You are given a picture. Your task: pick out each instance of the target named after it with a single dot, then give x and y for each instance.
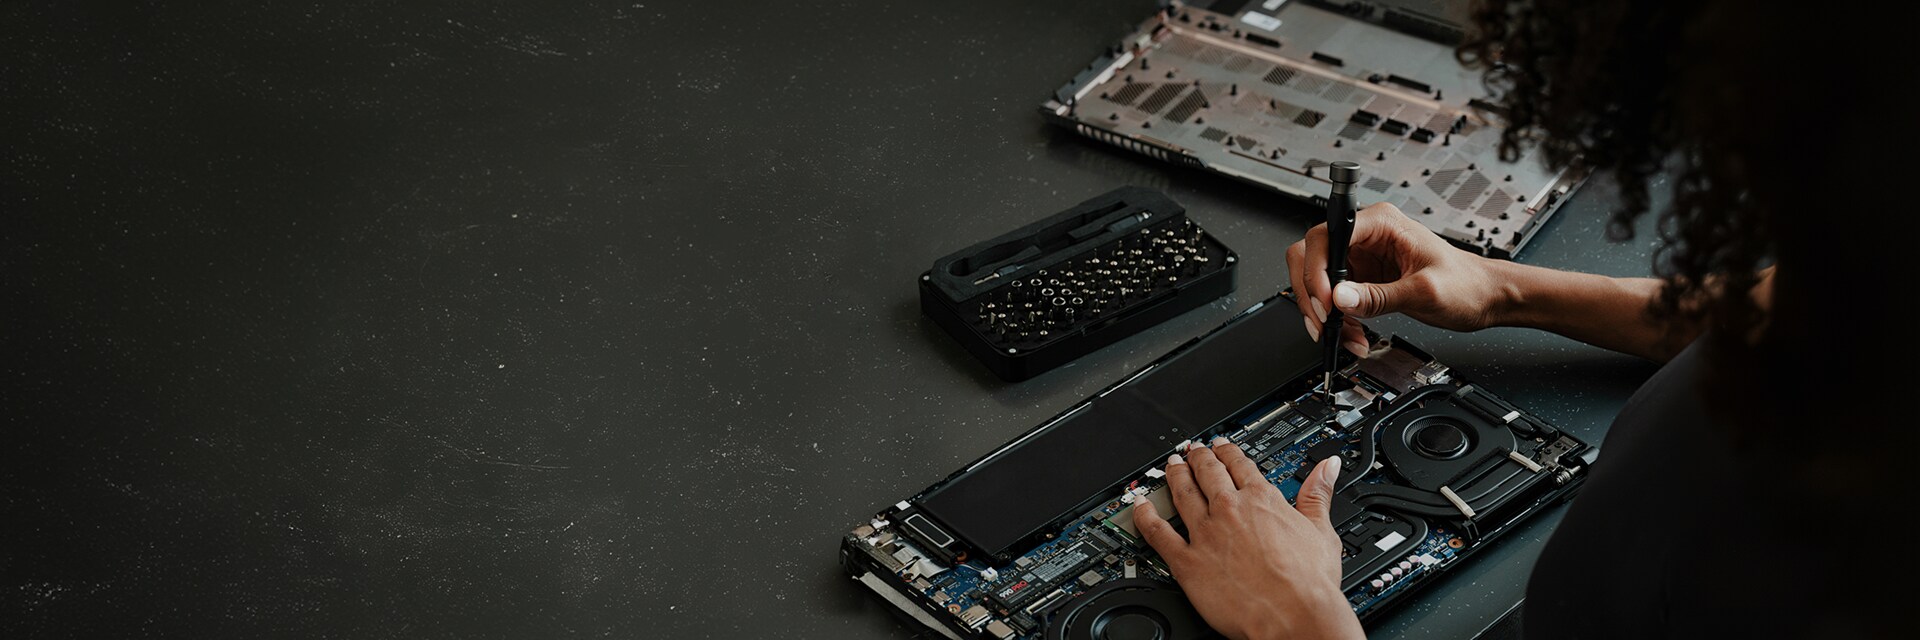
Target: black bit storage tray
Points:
(1052, 291)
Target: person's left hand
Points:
(1256, 567)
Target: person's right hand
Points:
(1398, 266)
(1255, 567)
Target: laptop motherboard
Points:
(1016, 545)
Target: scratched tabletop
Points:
(519, 319)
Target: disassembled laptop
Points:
(1036, 539)
(1272, 92)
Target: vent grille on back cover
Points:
(1187, 107)
(1309, 118)
(1311, 83)
(1213, 134)
(1496, 205)
(1475, 184)
(1353, 131)
(1280, 75)
(1127, 94)
(1443, 179)
(1183, 47)
(1378, 184)
(1338, 92)
(1161, 97)
(1136, 146)
(1238, 63)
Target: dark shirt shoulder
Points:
(1680, 532)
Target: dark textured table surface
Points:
(527, 319)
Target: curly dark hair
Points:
(1767, 119)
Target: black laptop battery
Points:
(1041, 481)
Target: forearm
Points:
(1610, 313)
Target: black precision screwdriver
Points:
(1340, 213)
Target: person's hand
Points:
(1254, 566)
(1398, 266)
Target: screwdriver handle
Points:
(1340, 215)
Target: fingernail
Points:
(1312, 331)
(1195, 445)
(1333, 475)
(1319, 310)
(1219, 441)
(1175, 459)
(1346, 295)
(1359, 348)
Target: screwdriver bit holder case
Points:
(1052, 291)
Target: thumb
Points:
(1316, 494)
(1366, 300)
